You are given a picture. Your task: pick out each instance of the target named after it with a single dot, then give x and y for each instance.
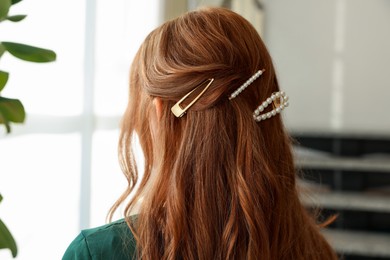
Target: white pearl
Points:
(278, 109)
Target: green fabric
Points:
(112, 241)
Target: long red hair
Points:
(216, 184)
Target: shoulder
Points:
(111, 241)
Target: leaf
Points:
(4, 8)
(29, 53)
(3, 79)
(6, 239)
(12, 110)
(6, 123)
(1, 198)
(16, 18)
(2, 49)
(15, 1)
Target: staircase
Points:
(348, 176)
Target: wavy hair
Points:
(216, 184)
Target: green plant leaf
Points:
(6, 239)
(2, 49)
(3, 79)
(4, 8)
(16, 18)
(29, 53)
(15, 1)
(12, 110)
(6, 123)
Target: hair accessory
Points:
(279, 100)
(246, 84)
(178, 111)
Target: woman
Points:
(219, 179)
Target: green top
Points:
(113, 241)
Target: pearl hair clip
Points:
(279, 100)
(246, 84)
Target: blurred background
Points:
(59, 171)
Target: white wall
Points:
(333, 59)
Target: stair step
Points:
(359, 243)
(349, 164)
(348, 201)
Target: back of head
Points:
(217, 184)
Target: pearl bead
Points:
(274, 96)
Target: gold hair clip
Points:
(178, 111)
